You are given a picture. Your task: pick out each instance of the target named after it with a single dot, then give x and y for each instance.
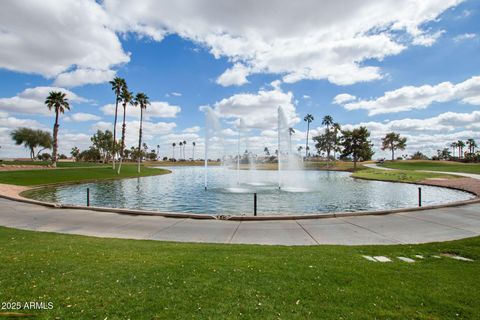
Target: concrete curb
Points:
(186, 215)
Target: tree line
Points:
(351, 144)
(105, 146)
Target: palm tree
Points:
(141, 100)
(117, 86)
(58, 101)
(460, 145)
(127, 98)
(300, 148)
(327, 121)
(184, 145)
(291, 131)
(193, 151)
(267, 152)
(308, 118)
(180, 145)
(454, 146)
(173, 148)
(336, 129)
(471, 145)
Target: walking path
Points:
(407, 227)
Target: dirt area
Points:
(467, 184)
(4, 167)
(12, 191)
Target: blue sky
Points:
(407, 67)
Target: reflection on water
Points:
(309, 192)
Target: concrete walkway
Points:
(408, 227)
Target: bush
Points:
(45, 157)
(472, 157)
(419, 156)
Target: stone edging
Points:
(184, 215)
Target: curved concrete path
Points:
(399, 228)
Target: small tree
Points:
(325, 142)
(32, 139)
(75, 152)
(103, 141)
(392, 141)
(443, 154)
(356, 144)
(419, 156)
(267, 152)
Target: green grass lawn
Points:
(76, 174)
(434, 166)
(60, 164)
(94, 278)
(398, 175)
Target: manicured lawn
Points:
(398, 175)
(94, 278)
(51, 176)
(59, 164)
(332, 165)
(434, 166)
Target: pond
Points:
(231, 192)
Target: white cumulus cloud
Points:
(257, 110)
(80, 77)
(342, 98)
(310, 39)
(51, 38)
(411, 97)
(82, 117)
(32, 100)
(237, 75)
(156, 109)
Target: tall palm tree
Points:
(127, 98)
(291, 131)
(57, 101)
(193, 150)
(141, 100)
(180, 145)
(471, 145)
(184, 145)
(308, 118)
(460, 145)
(336, 129)
(173, 150)
(454, 146)
(117, 86)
